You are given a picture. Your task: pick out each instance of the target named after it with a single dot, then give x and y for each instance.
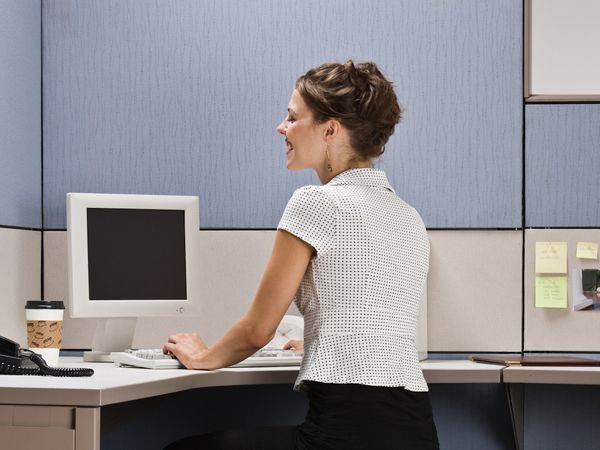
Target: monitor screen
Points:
(132, 255)
(136, 254)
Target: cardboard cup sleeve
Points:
(44, 333)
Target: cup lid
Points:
(45, 304)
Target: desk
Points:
(64, 413)
(516, 377)
(552, 375)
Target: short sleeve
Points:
(311, 216)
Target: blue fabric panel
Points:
(20, 113)
(562, 163)
(472, 416)
(559, 417)
(183, 97)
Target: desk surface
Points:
(111, 384)
(551, 375)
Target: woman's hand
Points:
(187, 347)
(297, 346)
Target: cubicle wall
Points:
(464, 299)
(562, 62)
(560, 329)
(474, 291)
(20, 161)
(20, 279)
(20, 114)
(176, 103)
(183, 97)
(562, 166)
(151, 98)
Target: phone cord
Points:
(43, 369)
(59, 371)
(9, 369)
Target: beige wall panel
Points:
(77, 333)
(474, 291)
(232, 264)
(20, 279)
(564, 58)
(559, 329)
(474, 282)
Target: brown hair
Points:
(359, 96)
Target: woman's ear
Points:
(332, 129)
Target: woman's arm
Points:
(280, 281)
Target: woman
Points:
(355, 258)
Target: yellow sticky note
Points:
(587, 250)
(551, 292)
(550, 257)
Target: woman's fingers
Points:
(294, 345)
(174, 338)
(184, 345)
(168, 348)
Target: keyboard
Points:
(271, 357)
(153, 358)
(156, 359)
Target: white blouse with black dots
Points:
(361, 291)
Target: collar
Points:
(362, 177)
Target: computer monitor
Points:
(131, 256)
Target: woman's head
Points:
(339, 117)
(359, 97)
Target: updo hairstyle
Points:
(359, 96)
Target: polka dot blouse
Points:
(361, 291)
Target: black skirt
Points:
(356, 416)
(340, 416)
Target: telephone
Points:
(17, 361)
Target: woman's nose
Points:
(281, 128)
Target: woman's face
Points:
(304, 140)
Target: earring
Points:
(327, 158)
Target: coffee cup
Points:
(44, 328)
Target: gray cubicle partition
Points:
(562, 165)
(183, 97)
(20, 114)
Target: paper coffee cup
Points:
(44, 328)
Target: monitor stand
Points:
(111, 335)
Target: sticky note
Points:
(551, 292)
(587, 250)
(550, 257)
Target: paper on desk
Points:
(551, 292)
(550, 257)
(587, 250)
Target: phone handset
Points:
(12, 358)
